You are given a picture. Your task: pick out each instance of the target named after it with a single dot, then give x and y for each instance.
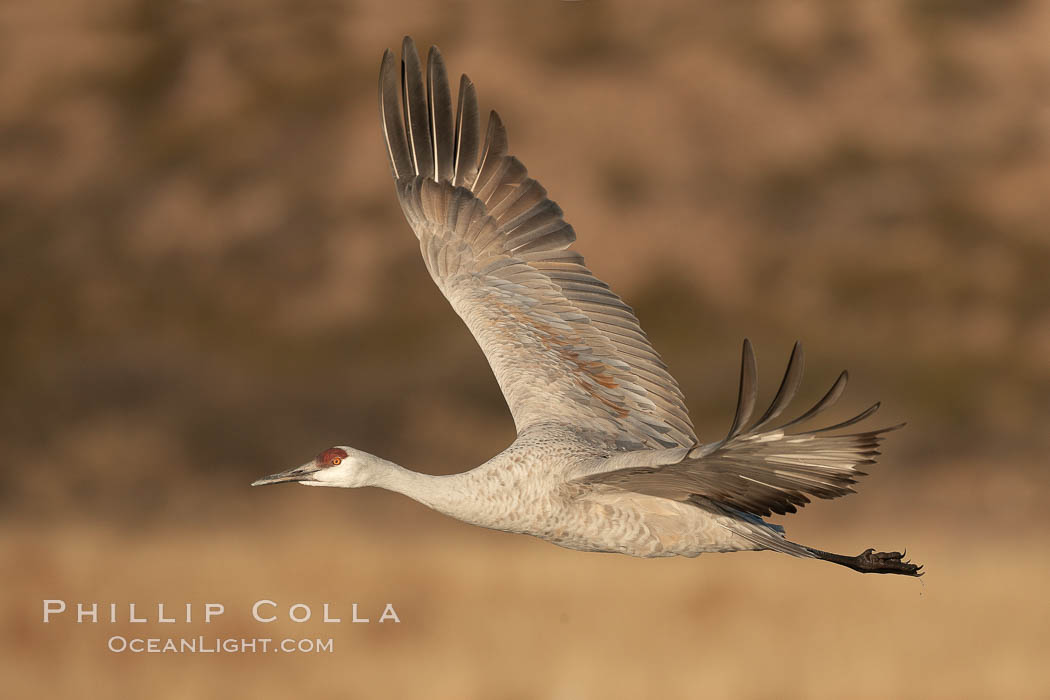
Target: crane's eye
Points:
(336, 461)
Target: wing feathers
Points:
(390, 115)
(557, 256)
(748, 394)
(417, 123)
(855, 419)
(561, 237)
(492, 154)
(528, 201)
(439, 101)
(833, 395)
(562, 345)
(468, 133)
(497, 177)
(754, 470)
(788, 388)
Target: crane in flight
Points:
(606, 458)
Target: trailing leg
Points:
(871, 562)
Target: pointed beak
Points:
(300, 473)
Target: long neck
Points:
(450, 494)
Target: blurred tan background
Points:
(205, 277)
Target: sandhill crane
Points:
(606, 458)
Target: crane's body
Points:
(529, 489)
(606, 457)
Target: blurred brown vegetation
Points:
(205, 277)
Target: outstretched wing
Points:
(758, 470)
(562, 345)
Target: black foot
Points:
(871, 562)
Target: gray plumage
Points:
(606, 457)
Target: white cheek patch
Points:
(332, 476)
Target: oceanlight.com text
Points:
(218, 645)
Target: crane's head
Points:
(336, 466)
